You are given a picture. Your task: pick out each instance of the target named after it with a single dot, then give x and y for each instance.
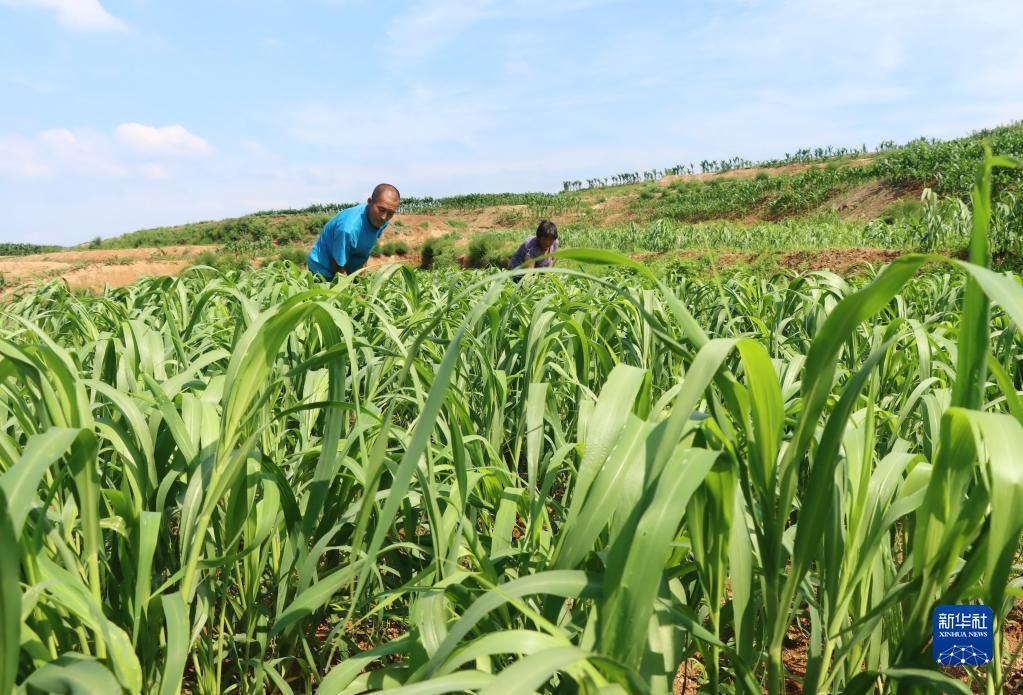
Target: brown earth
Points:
(689, 676)
(26, 268)
(118, 255)
(97, 276)
(840, 260)
(869, 201)
(118, 268)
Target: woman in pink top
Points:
(545, 242)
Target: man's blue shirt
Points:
(345, 242)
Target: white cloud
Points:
(166, 141)
(132, 151)
(154, 172)
(77, 15)
(19, 159)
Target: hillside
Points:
(894, 198)
(855, 186)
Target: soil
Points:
(97, 255)
(869, 201)
(94, 270)
(22, 269)
(99, 275)
(689, 676)
(839, 260)
(616, 209)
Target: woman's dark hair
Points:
(547, 229)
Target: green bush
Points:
(222, 261)
(456, 224)
(295, 254)
(439, 252)
(315, 223)
(393, 248)
(244, 229)
(487, 251)
(19, 249)
(288, 231)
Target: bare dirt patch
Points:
(98, 276)
(27, 269)
(100, 255)
(419, 227)
(616, 209)
(839, 260)
(869, 201)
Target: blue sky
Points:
(122, 114)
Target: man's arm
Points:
(339, 249)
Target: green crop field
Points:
(795, 200)
(447, 481)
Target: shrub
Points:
(295, 254)
(288, 231)
(314, 225)
(439, 252)
(392, 248)
(245, 228)
(486, 251)
(224, 262)
(456, 224)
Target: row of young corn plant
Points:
(448, 482)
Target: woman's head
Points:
(546, 234)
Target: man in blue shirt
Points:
(348, 237)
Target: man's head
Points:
(382, 205)
(546, 234)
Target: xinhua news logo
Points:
(963, 635)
